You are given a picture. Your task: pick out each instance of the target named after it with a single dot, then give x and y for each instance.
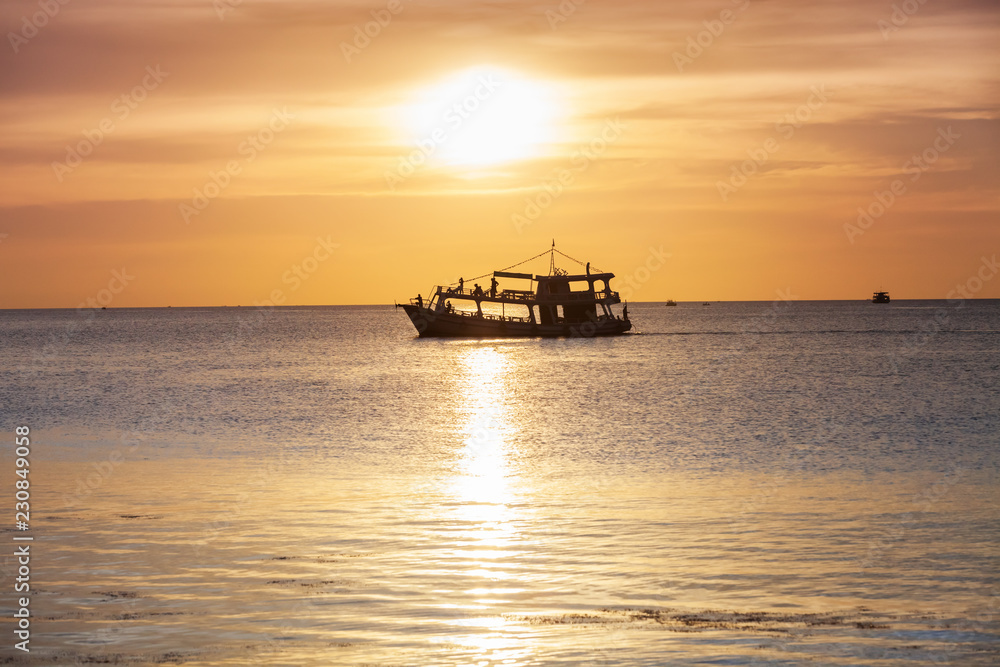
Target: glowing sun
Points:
(482, 116)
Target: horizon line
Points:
(370, 305)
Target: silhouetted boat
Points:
(880, 297)
(550, 306)
(670, 302)
(706, 304)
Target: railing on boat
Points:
(513, 318)
(487, 316)
(528, 295)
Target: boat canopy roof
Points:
(508, 274)
(555, 275)
(580, 276)
(563, 278)
(558, 288)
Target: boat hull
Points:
(432, 324)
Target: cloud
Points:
(685, 127)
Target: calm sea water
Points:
(788, 483)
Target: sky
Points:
(241, 152)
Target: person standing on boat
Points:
(461, 284)
(493, 287)
(625, 312)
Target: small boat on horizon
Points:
(554, 305)
(880, 297)
(670, 302)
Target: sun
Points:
(482, 116)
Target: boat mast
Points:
(552, 258)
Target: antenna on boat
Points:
(552, 258)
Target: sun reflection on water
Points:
(483, 459)
(483, 496)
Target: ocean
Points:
(742, 483)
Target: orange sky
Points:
(344, 173)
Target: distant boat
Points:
(880, 297)
(550, 306)
(706, 304)
(671, 302)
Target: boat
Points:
(706, 304)
(553, 305)
(880, 297)
(670, 302)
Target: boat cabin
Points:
(553, 299)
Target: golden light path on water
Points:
(481, 490)
(496, 502)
